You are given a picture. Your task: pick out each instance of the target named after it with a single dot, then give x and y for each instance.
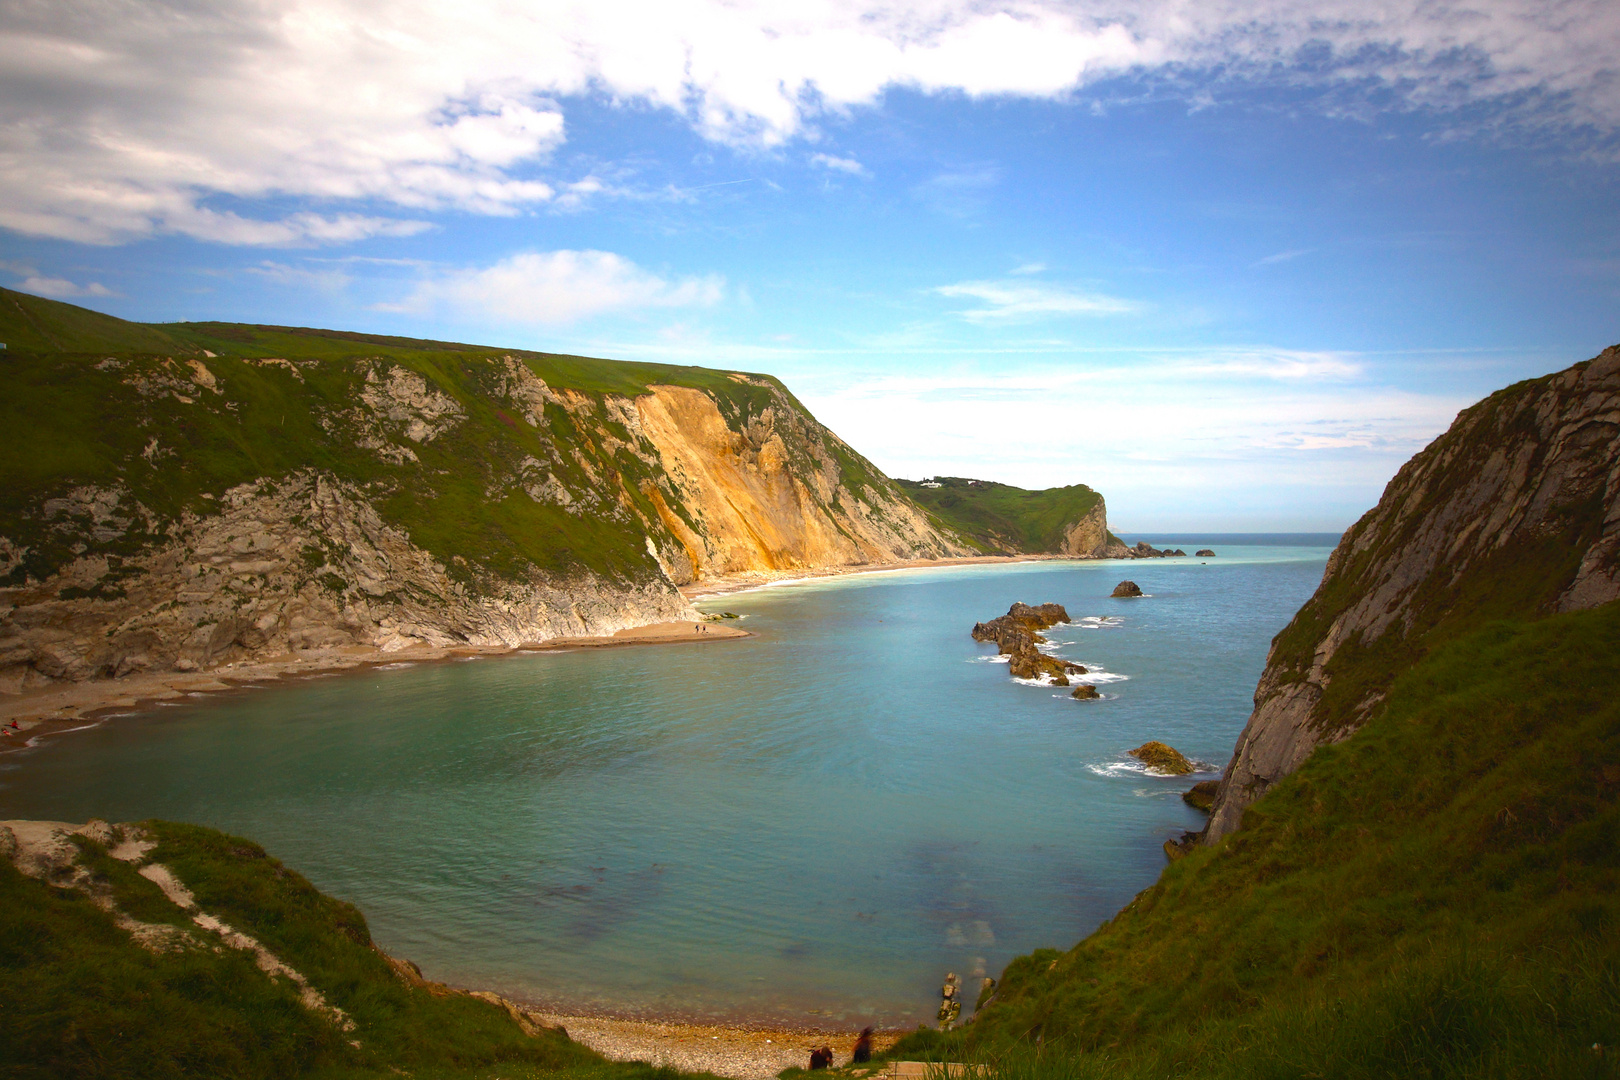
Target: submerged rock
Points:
(1201, 796)
(1162, 758)
(1126, 588)
(1085, 692)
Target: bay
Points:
(809, 825)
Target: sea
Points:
(808, 826)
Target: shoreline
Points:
(59, 710)
(62, 709)
(738, 1051)
(747, 580)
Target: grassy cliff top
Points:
(999, 518)
(37, 325)
(1437, 896)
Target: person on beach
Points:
(863, 1047)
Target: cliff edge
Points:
(1513, 513)
(183, 496)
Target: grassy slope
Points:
(71, 424)
(1000, 519)
(81, 1000)
(1439, 895)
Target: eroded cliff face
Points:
(1513, 513)
(771, 494)
(255, 507)
(1089, 538)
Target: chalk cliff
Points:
(1513, 513)
(213, 493)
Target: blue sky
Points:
(1230, 264)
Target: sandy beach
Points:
(755, 579)
(56, 710)
(740, 1052)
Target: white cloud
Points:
(1009, 300)
(62, 287)
(555, 287)
(1029, 268)
(121, 119)
(839, 164)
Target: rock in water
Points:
(1015, 636)
(1085, 692)
(1126, 588)
(1204, 553)
(1161, 758)
(1201, 796)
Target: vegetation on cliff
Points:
(1437, 896)
(999, 519)
(386, 489)
(84, 998)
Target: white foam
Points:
(1098, 622)
(1120, 768)
(1096, 676)
(394, 666)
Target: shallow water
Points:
(811, 824)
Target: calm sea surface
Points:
(812, 824)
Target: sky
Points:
(1230, 262)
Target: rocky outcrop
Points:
(302, 563)
(1145, 550)
(1513, 513)
(1162, 758)
(1085, 692)
(249, 508)
(1089, 538)
(1017, 637)
(1204, 553)
(1201, 796)
(1126, 589)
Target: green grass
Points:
(81, 1000)
(96, 401)
(1437, 896)
(999, 519)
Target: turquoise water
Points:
(814, 823)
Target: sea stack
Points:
(1126, 588)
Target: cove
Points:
(809, 825)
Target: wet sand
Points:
(56, 710)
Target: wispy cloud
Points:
(1016, 300)
(557, 287)
(1283, 256)
(325, 278)
(839, 164)
(1029, 268)
(960, 192)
